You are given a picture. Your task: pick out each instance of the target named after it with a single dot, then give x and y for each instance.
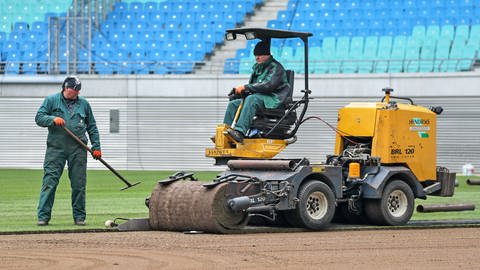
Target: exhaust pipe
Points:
(445, 207)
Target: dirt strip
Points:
(441, 248)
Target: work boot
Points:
(80, 222)
(42, 223)
(236, 135)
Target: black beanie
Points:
(261, 48)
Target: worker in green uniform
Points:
(267, 88)
(68, 109)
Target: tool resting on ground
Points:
(129, 185)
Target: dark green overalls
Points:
(61, 148)
(269, 87)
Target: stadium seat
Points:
(341, 54)
(441, 55)
(369, 53)
(397, 55)
(432, 32)
(419, 32)
(245, 66)
(13, 63)
(383, 54)
(462, 31)
(355, 54)
(412, 55)
(427, 55)
(474, 37)
(447, 32)
(469, 54)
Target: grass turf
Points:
(20, 190)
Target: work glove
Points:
(239, 89)
(58, 121)
(97, 154)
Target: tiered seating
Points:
(166, 37)
(24, 34)
(378, 36)
(139, 37)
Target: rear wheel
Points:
(315, 208)
(394, 208)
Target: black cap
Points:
(261, 48)
(72, 82)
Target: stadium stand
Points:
(175, 36)
(413, 36)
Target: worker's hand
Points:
(239, 89)
(58, 121)
(97, 154)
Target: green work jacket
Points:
(270, 79)
(80, 121)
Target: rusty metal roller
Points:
(261, 164)
(187, 205)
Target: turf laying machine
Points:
(384, 157)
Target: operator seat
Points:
(266, 119)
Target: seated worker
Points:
(268, 88)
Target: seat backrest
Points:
(290, 79)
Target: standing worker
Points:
(268, 87)
(74, 112)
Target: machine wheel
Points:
(315, 208)
(394, 208)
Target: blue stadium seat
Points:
(120, 6)
(231, 66)
(13, 63)
(29, 64)
(150, 6)
(135, 6)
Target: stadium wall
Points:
(165, 122)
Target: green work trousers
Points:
(54, 163)
(249, 108)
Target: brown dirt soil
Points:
(453, 248)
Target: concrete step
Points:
(262, 14)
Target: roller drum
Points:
(187, 205)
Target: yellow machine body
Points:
(257, 148)
(399, 133)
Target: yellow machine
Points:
(403, 134)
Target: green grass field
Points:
(19, 191)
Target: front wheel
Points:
(394, 208)
(315, 208)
